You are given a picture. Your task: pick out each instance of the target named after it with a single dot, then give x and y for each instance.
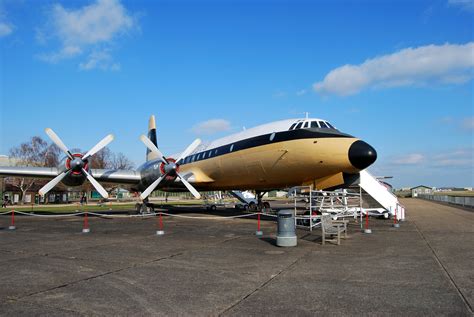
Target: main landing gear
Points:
(260, 205)
(144, 208)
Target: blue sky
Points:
(397, 74)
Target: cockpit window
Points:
(306, 124)
(330, 125)
(299, 125)
(292, 126)
(314, 124)
(323, 125)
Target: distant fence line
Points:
(465, 201)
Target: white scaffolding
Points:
(339, 204)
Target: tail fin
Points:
(152, 136)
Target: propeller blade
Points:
(54, 137)
(99, 146)
(151, 187)
(189, 187)
(153, 148)
(96, 184)
(189, 150)
(46, 188)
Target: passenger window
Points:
(193, 158)
(292, 126)
(204, 155)
(272, 136)
(197, 158)
(215, 153)
(314, 124)
(323, 125)
(299, 125)
(209, 154)
(330, 125)
(231, 148)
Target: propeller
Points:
(170, 167)
(76, 163)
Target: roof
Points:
(421, 186)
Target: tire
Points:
(252, 206)
(213, 208)
(266, 206)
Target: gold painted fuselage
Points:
(272, 166)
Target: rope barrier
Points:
(208, 218)
(136, 216)
(49, 216)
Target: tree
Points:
(121, 162)
(36, 152)
(107, 159)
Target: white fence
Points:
(465, 201)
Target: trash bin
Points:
(286, 235)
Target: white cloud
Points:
(467, 5)
(462, 157)
(100, 60)
(65, 53)
(468, 123)
(91, 29)
(448, 63)
(410, 159)
(301, 92)
(211, 126)
(5, 29)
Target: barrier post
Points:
(367, 230)
(85, 228)
(160, 230)
(258, 232)
(395, 218)
(12, 224)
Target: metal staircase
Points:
(381, 194)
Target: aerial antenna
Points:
(307, 115)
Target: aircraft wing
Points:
(28, 171)
(116, 176)
(104, 175)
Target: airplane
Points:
(276, 155)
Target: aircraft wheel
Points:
(252, 206)
(213, 207)
(266, 206)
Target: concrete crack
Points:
(445, 270)
(285, 269)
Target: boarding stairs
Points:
(381, 194)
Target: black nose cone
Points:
(361, 154)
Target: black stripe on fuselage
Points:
(311, 133)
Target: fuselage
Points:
(275, 155)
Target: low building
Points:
(421, 189)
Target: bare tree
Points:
(107, 159)
(36, 152)
(121, 162)
(101, 159)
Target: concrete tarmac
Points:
(219, 267)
